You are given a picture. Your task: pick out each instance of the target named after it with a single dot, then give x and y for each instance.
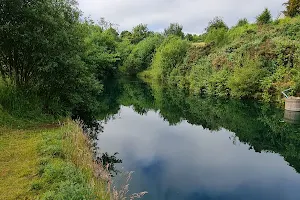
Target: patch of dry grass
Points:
(199, 44)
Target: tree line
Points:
(48, 51)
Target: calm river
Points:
(186, 147)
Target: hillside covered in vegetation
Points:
(246, 61)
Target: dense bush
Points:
(168, 56)
(141, 56)
(101, 51)
(217, 84)
(199, 76)
(242, 22)
(245, 81)
(247, 61)
(56, 57)
(217, 36)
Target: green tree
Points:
(169, 55)
(139, 33)
(104, 24)
(217, 36)
(113, 32)
(216, 23)
(41, 50)
(189, 37)
(292, 8)
(242, 22)
(101, 51)
(174, 29)
(141, 56)
(126, 35)
(264, 18)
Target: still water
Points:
(187, 147)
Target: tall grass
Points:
(18, 105)
(68, 170)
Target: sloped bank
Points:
(50, 162)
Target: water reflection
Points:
(186, 147)
(110, 162)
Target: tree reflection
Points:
(106, 160)
(258, 125)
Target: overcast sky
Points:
(192, 14)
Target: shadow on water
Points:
(106, 160)
(262, 127)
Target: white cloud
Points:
(192, 14)
(189, 159)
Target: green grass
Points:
(18, 163)
(20, 109)
(48, 162)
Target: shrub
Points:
(264, 18)
(245, 81)
(141, 56)
(124, 49)
(169, 55)
(242, 22)
(199, 76)
(217, 83)
(236, 33)
(218, 36)
(274, 84)
(178, 77)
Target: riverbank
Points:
(247, 61)
(49, 161)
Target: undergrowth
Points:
(21, 109)
(248, 61)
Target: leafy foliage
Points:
(264, 18)
(139, 33)
(246, 61)
(242, 22)
(168, 56)
(101, 51)
(216, 23)
(47, 51)
(63, 62)
(174, 29)
(292, 8)
(217, 36)
(141, 56)
(245, 81)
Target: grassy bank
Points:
(49, 162)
